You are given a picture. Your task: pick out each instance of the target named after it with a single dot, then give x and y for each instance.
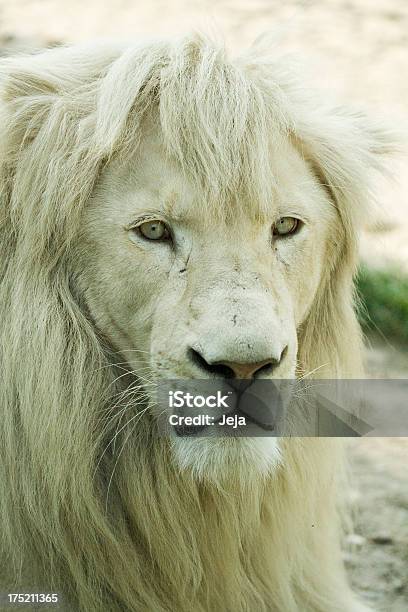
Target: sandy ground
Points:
(359, 49)
(378, 560)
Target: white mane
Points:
(167, 542)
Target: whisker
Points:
(121, 451)
(312, 371)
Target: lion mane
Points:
(145, 536)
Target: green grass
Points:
(384, 307)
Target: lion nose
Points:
(234, 369)
(247, 370)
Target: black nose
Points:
(235, 369)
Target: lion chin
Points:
(220, 460)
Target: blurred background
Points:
(359, 49)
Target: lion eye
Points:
(154, 230)
(285, 226)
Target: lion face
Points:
(185, 291)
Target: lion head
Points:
(166, 212)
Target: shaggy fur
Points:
(164, 540)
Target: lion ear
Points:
(347, 150)
(25, 101)
(378, 136)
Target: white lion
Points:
(167, 212)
